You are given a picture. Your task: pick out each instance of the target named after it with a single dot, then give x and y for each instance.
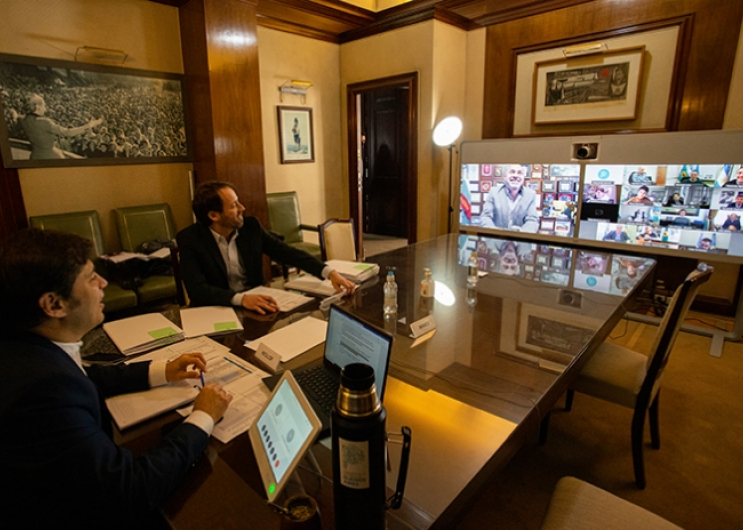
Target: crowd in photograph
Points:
(143, 119)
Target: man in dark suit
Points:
(222, 254)
(59, 466)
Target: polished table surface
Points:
(472, 391)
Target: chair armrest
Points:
(278, 236)
(311, 228)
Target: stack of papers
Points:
(294, 339)
(238, 377)
(209, 320)
(125, 256)
(310, 284)
(142, 333)
(287, 301)
(355, 271)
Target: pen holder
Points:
(301, 513)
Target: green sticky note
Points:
(363, 266)
(162, 333)
(224, 326)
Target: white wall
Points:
(320, 185)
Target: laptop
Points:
(348, 340)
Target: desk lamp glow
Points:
(444, 135)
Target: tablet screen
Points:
(284, 430)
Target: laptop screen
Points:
(350, 340)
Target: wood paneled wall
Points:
(12, 209)
(220, 55)
(698, 102)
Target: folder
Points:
(209, 320)
(142, 333)
(356, 271)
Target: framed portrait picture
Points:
(548, 186)
(63, 113)
(547, 224)
(565, 186)
(296, 137)
(597, 87)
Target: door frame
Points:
(355, 182)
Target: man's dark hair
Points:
(207, 199)
(34, 262)
(643, 187)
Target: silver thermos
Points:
(358, 429)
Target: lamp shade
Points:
(447, 131)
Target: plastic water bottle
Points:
(472, 270)
(427, 284)
(390, 294)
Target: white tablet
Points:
(282, 433)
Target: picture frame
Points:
(588, 88)
(548, 186)
(565, 186)
(552, 334)
(63, 113)
(296, 136)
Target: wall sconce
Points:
(296, 87)
(90, 54)
(585, 49)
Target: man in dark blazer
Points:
(59, 467)
(222, 254)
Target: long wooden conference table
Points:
(473, 391)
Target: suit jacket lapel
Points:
(212, 248)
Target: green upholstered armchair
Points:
(138, 224)
(286, 223)
(283, 215)
(87, 224)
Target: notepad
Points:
(209, 320)
(142, 333)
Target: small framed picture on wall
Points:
(296, 137)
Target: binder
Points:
(356, 271)
(142, 333)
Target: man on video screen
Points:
(511, 205)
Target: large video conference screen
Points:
(691, 207)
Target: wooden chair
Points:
(138, 224)
(625, 377)
(578, 505)
(338, 240)
(87, 224)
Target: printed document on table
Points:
(130, 409)
(244, 381)
(294, 339)
(287, 301)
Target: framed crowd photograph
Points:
(296, 138)
(62, 113)
(597, 87)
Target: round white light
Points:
(447, 131)
(443, 294)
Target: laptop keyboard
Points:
(321, 384)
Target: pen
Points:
(237, 364)
(201, 375)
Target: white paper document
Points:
(209, 320)
(238, 377)
(287, 301)
(310, 284)
(294, 339)
(356, 271)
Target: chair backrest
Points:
(138, 224)
(338, 240)
(667, 332)
(283, 215)
(85, 224)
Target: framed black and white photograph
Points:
(598, 87)
(62, 113)
(296, 139)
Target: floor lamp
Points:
(444, 135)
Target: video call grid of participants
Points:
(690, 207)
(533, 198)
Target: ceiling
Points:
(338, 21)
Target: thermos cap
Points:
(357, 395)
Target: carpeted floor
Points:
(695, 480)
